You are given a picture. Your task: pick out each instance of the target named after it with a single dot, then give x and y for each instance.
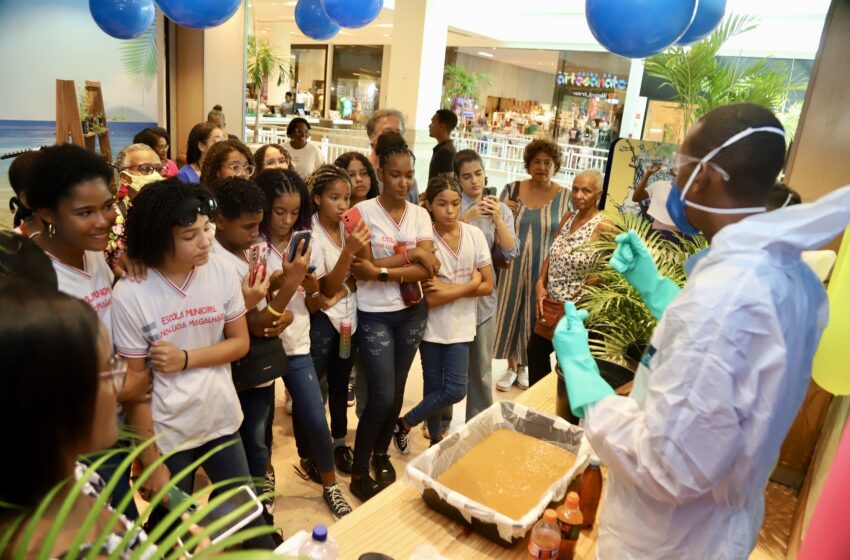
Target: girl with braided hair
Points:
(330, 190)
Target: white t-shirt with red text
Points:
(200, 404)
(455, 321)
(347, 306)
(415, 226)
(296, 337)
(92, 284)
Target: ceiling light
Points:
(488, 55)
(290, 3)
(386, 34)
(384, 25)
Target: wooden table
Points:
(397, 521)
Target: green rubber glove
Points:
(633, 261)
(581, 374)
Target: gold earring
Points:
(51, 230)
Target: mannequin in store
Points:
(442, 124)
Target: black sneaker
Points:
(364, 487)
(351, 397)
(401, 437)
(308, 471)
(336, 500)
(344, 459)
(384, 471)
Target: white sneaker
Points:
(507, 380)
(522, 378)
(287, 406)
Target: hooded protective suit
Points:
(690, 451)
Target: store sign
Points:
(591, 80)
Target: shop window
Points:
(356, 81)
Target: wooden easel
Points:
(69, 122)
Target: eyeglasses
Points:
(272, 163)
(117, 373)
(144, 168)
(679, 160)
(203, 203)
(239, 169)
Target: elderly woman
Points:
(538, 204)
(564, 271)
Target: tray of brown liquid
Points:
(497, 473)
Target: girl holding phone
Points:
(330, 187)
(288, 214)
(390, 327)
(465, 275)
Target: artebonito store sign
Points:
(591, 80)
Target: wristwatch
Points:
(384, 275)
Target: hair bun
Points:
(390, 142)
(217, 108)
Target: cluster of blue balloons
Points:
(126, 19)
(641, 28)
(322, 19)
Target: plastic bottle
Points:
(345, 338)
(320, 547)
(411, 292)
(590, 490)
(545, 537)
(570, 523)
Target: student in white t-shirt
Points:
(240, 210)
(183, 324)
(288, 211)
(390, 327)
(466, 273)
(69, 190)
(306, 157)
(330, 188)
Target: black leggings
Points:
(538, 353)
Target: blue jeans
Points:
(227, 463)
(324, 347)
(256, 403)
(388, 342)
(312, 436)
(444, 372)
(108, 470)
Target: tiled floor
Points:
(301, 506)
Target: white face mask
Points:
(739, 136)
(138, 182)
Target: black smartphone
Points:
(296, 239)
(489, 191)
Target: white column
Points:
(224, 71)
(415, 80)
(328, 76)
(634, 111)
(385, 76)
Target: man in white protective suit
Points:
(689, 452)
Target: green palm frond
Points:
(139, 59)
(264, 63)
(22, 529)
(617, 316)
(461, 83)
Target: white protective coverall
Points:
(690, 451)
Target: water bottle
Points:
(320, 547)
(545, 537)
(345, 338)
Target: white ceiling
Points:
(787, 28)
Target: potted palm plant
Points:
(460, 83)
(264, 63)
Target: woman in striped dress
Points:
(538, 205)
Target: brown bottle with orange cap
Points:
(570, 522)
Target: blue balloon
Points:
(709, 14)
(123, 19)
(199, 14)
(638, 28)
(313, 21)
(353, 13)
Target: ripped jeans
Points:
(331, 369)
(388, 343)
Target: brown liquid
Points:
(508, 472)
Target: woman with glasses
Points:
(52, 340)
(271, 156)
(183, 325)
(159, 140)
(306, 157)
(228, 158)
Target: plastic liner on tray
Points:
(495, 526)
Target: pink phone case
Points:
(351, 218)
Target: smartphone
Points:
(176, 497)
(489, 191)
(351, 218)
(245, 495)
(296, 239)
(257, 255)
